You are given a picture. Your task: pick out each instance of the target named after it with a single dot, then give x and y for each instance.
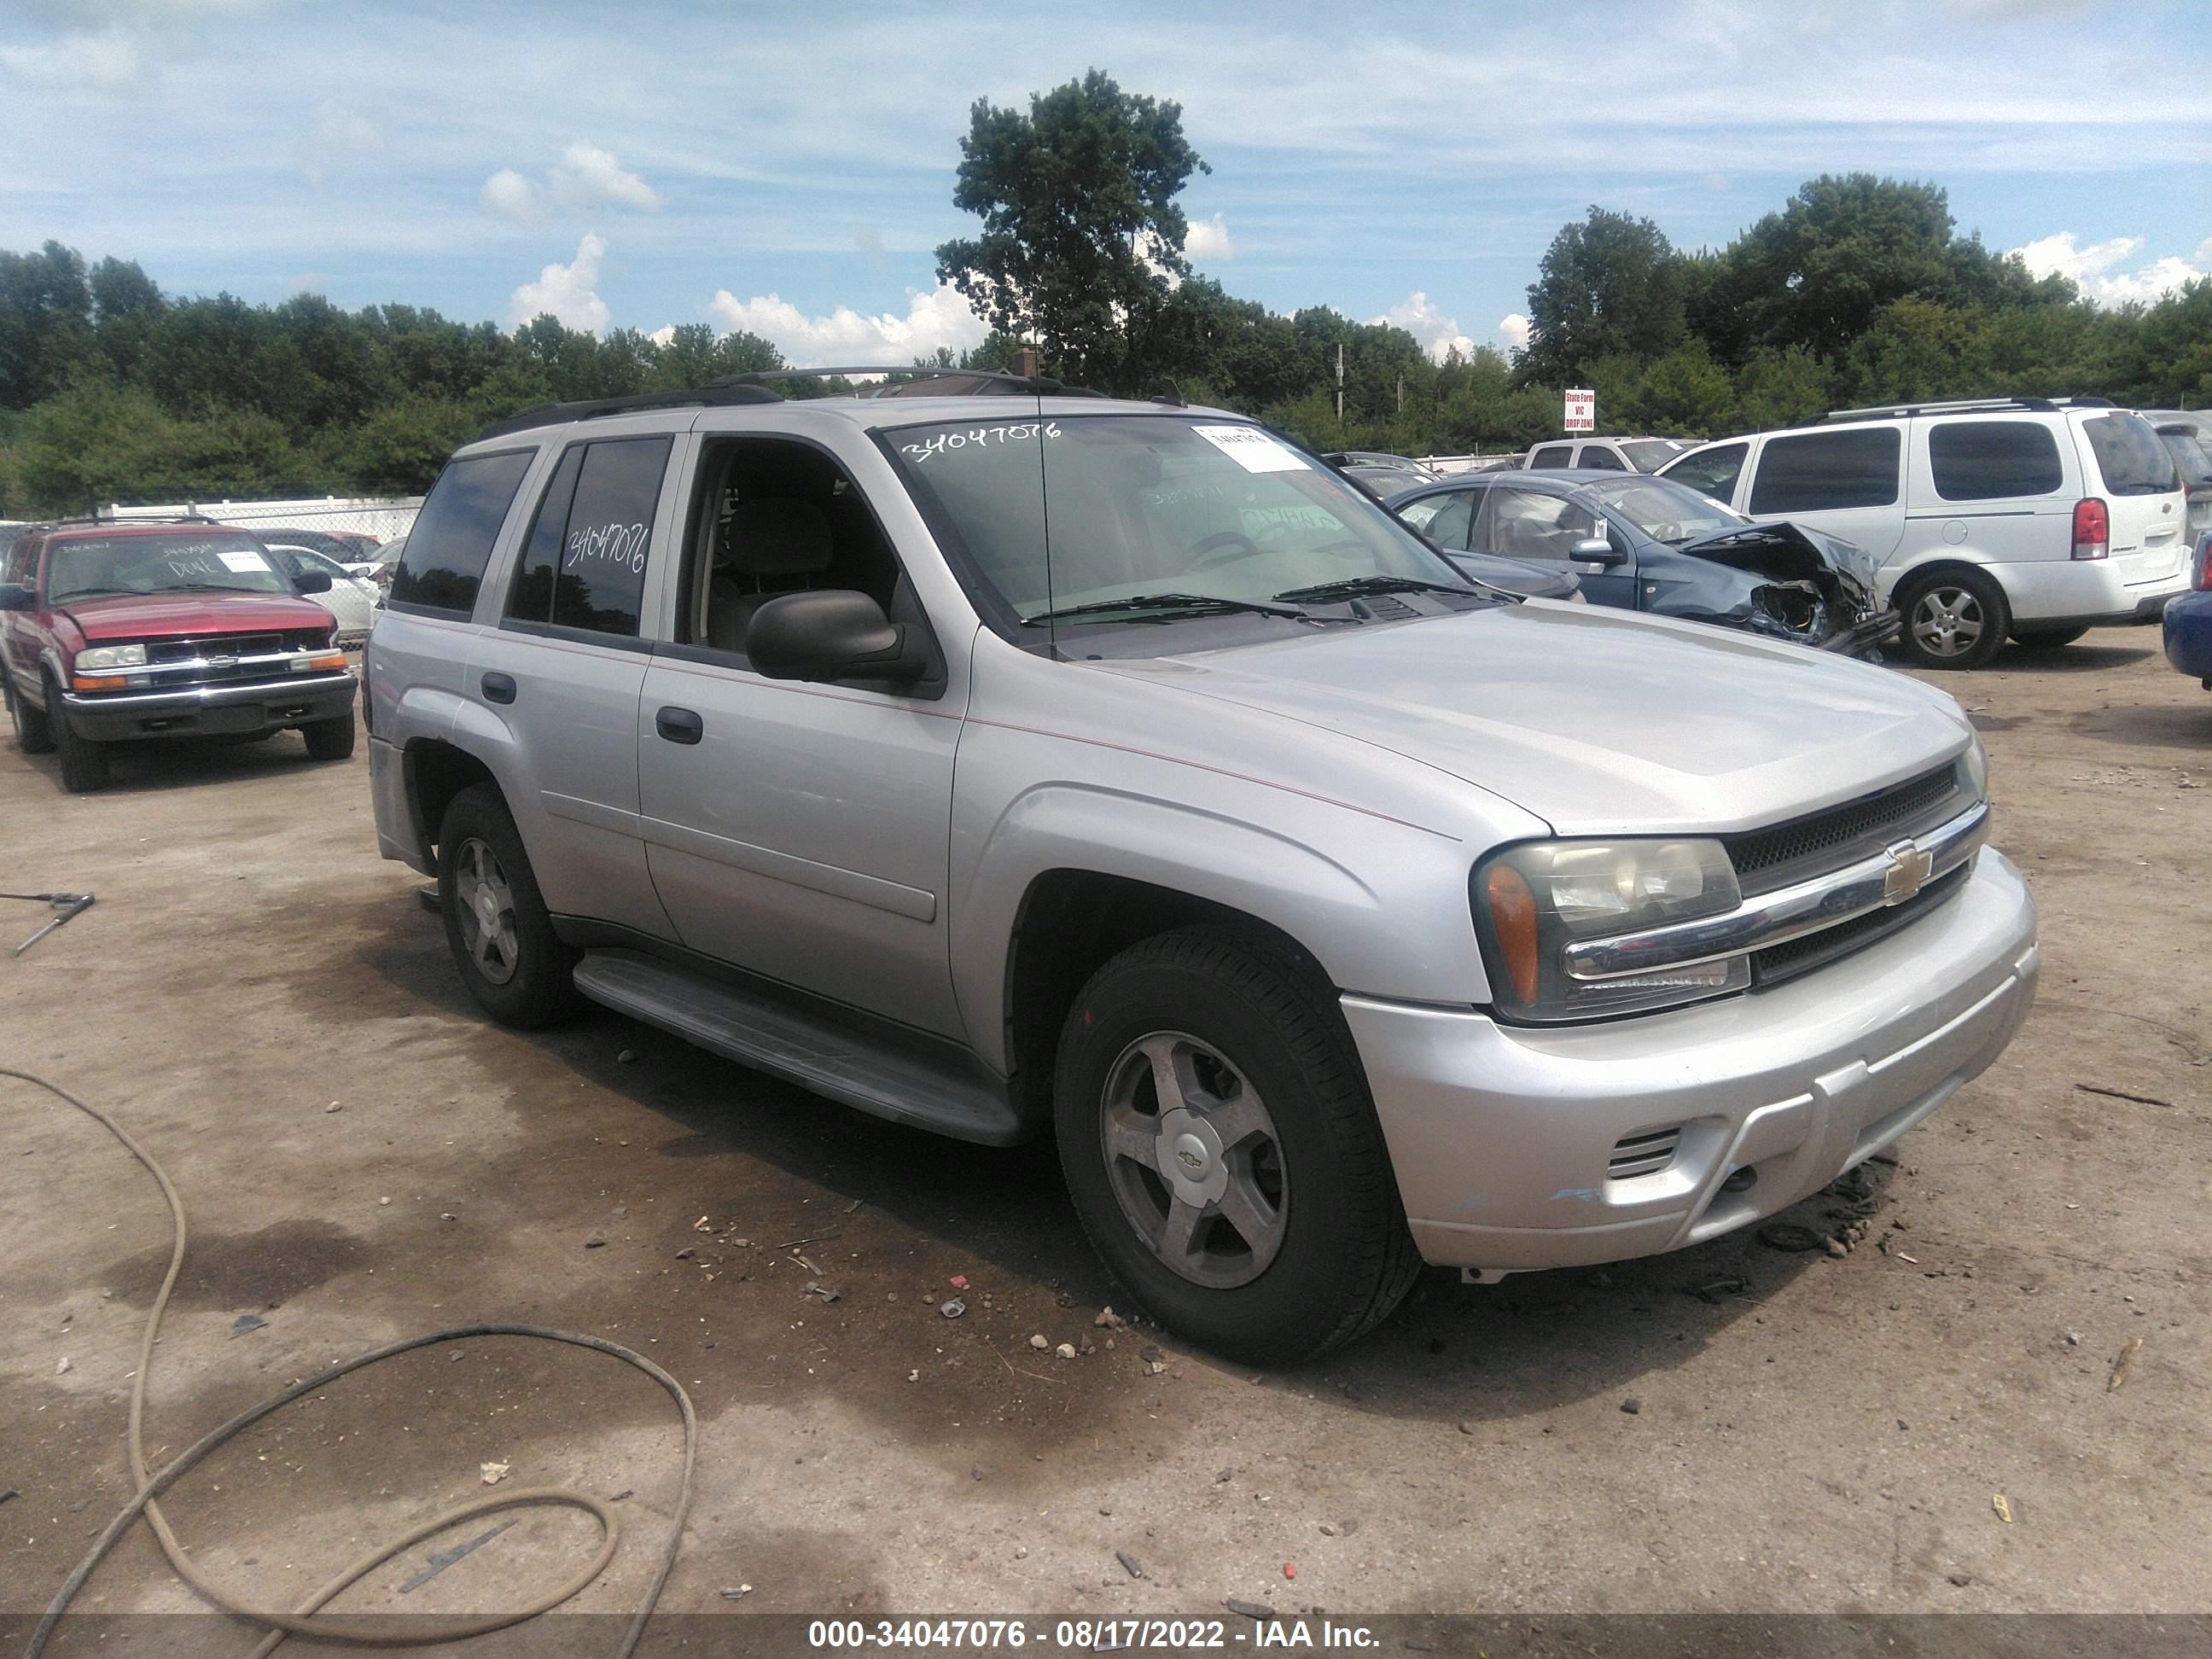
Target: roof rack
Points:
(988, 380)
(109, 521)
(714, 394)
(1967, 406)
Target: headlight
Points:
(1974, 767)
(110, 656)
(1531, 901)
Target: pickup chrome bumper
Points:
(202, 710)
(1518, 1148)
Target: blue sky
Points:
(788, 168)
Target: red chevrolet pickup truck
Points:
(111, 631)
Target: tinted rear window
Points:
(451, 542)
(1989, 460)
(2131, 457)
(1554, 455)
(2188, 454)
(1820, 471)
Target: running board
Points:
(882, 1077)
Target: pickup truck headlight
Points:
(101, 657)
(1532, 901)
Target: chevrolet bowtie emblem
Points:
(1908, 867)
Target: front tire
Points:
(329, 740)
(1223, 1151)
(496, 923)
(1957, 618)
(84, 762)
(35, 731)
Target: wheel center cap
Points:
(487, 907)
(1187, 1155)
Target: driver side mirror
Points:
(1596, 550)
(17, 596)
(312, 582)
(834, 634)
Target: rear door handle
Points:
(679, 726)
(499, 688)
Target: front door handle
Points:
(679, 726)
(498, 687)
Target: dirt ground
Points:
(363, 1156)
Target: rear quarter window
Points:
(1711, 471)
(2129, 456)
(1821, 472)
(451, 541)
(1551, 455)
(1992, 460)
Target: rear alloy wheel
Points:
(329, 740)
(496, 924)
(1956, 620)
(1221, 1150)
(34, 732)
(84, 762)
(2046, 639)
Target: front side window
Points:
(1445, 518)
(213, 561)
(1712, 472)
(584, 564)
(1601, 457)
(446, 552)
(1822, 471)
(1551, 455)
(2131, 457)
(1993, 460)
(1080, 510)
(1526, 523)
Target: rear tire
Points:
(2046, 639)
(496, 923)
(1957, 618)
(84, 762)
(329, 740)
(34, 732)
(1280, 1236)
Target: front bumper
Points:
(210, 710)
(1502, 1136)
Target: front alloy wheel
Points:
(1195, 1162)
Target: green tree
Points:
(1781, 388)
(1610, 286)
(1081, 234)
(45, 322)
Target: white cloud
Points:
(589, 177)
(569, 291)
(109, 61)
(336, 139)
(1209, 239)
(1514, 329)
(507, 195)
(937, 318)
(2094, 268)
(1439, 334)
(664, 336)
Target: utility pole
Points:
(1401, 392)
(1340, 383)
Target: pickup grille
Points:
(1814, 845)
(252, 657)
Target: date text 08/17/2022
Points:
(1089, 1635)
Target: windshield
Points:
(229, 560)
(1662, 509)
(1076, 510)
(1650, 454)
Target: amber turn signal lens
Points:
(334, 660)
(1513, 915)
(99, 681)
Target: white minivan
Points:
(2027, 518)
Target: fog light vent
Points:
(1644, 1154)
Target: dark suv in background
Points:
(111, 631)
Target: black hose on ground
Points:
(300, 1620)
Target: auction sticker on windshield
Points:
(244, 560)
(1253, 450)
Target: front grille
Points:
(1781, 961)
(172, 655)
(1644, 1154)
(1774, 857)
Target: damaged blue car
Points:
(1652, 544)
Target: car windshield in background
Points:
(1650, 454)
(97, 567)
(1662, 509)
(1080, 510)
(2129, 455)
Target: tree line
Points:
(1857, 289)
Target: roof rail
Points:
(1958, 406)
(106, 521)
(715, 393)
(990, 381)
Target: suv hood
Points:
(1597, 721)
(167, 616)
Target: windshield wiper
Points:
(1352, 586)
(1151, 607)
